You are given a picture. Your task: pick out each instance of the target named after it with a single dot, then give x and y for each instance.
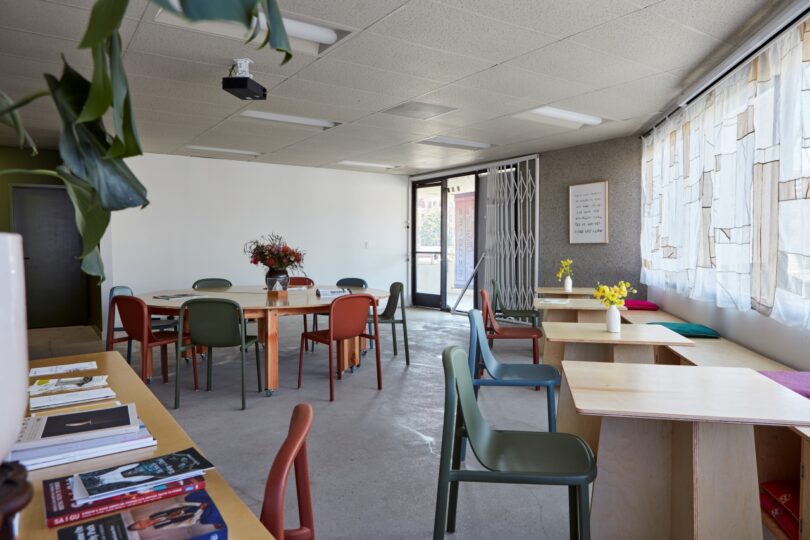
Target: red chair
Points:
(292, 452)
(137, 324)
(348, 316)
(496, 331)
(303, 281)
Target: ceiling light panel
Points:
(452, 142)
(365, 164)
(289, 119)
(418, 110)
(217, 150)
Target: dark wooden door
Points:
(56, 289)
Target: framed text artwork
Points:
(588, 213)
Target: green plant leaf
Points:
(125, 143)
(10, 116)
(83, 146)
(276, 33)
(104, 20)
(91, 220)
(100, 97)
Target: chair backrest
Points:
(479, 344)
(214, 322)
(352, 282)
(134, 317)
(292, 452)
(490, 324)
(394, 294)
(212, 283)
(120, 290)
(348, 315)
(300, 281)
(459, 392)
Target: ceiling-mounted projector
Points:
(240, 83)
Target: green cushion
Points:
(690, 329)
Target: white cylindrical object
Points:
(13, 341)
(614, 320)
(310, 32)
(568, 284)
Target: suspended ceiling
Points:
(622, 60)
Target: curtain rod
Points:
(776, 26)
(470, 168)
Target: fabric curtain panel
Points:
(726, 189)
(512, 226)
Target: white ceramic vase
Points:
(13, 341)
(568, 284)
(613, 320)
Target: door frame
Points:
(440, 301)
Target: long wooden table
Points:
(677, 457)
(242, 523)
(575, 292)
(256, 305)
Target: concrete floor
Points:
(373, 454)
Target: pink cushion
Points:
(798, 381)
(641, 305)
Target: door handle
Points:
(26, 258)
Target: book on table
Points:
(332, 293)
(66, 384)
(62, 368)
(191, 516)
(49, 401)
(50, 456)
(61, 509)
(40, 431)
(180, 296)
(104, 483)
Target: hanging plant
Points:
(97, 179)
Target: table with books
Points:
(266, 311)
(163, 486)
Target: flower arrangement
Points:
(273, 252)
(565, 269)
(613, 295)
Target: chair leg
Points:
(331, 374)
(394, 336)
(164, 362)
(405, 339)
(442, 493)
(210, 372)
(176, 377)
(306, 343)
(194, 368)
(573, 512)
(583, 513)
(301, 359)
(455, 465)
(369, 331)
(129, 351)
(552, 414)
(536, 350)
(376, 341)
(258, 369)
(146, 363)
(242, 351)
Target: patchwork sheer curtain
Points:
(726, 189)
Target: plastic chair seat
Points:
(549, 458)
(515, 332)
(527, 374)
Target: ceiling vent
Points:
(418, 110)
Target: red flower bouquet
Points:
(274, 253)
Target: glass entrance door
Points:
(428, 262)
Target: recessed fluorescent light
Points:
(289, 119)
(365, 164)
(216, 150)
(567, 116)
(440, 140)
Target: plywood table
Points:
(257, 306)
(575, 292)
(241, 521)
(676, 447)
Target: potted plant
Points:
(613, 297)
(278, 258)
(565, 271)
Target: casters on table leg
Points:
(268, 393)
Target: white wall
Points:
(791, 346)
(202, 212)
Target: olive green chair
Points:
(531, 314)
(396, 298)
(212, 283)
(509, 457)
(215, 322)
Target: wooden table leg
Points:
(591, 316)
(553, 351)
(568, 421)
(348, 353)
(586, 352)
(270, 352)
(632, 354)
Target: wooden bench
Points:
(781, 452)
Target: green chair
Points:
(215, 322)
(212, 283)
(510, 457)
(396, 296)
(511, 313)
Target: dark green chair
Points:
(212, 283)
(215, 322)
(396, 297)
(500, 311)
(510, 457)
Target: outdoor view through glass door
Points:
(444, 244)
